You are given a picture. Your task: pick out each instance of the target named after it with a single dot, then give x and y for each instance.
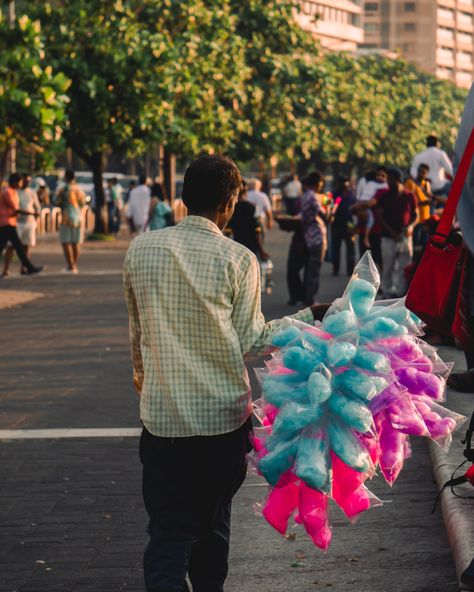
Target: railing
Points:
(50, 220)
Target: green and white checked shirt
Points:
(193, 299)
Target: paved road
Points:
(71, 517)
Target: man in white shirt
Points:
(439, 165)
(139, 205)
(292, 190)
(261, 201)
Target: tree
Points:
(143, 71)
(32, 94)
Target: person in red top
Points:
(9, 210)
(397, 213)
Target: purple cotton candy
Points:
(392, 448)
(404, 349)
(405, 418)
(421, 383)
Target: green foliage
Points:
(32, 96)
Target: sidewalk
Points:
(71, 515)
(458, 513)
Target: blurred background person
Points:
(138, 205)
(71, 200)
(440, 167)
(160, 214)
(26, 223)
(262, 203)
(9, 212)
(342, 225)
(292, 191)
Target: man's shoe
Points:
(34, 270)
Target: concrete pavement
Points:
(71, 516)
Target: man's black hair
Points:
(209, 182)
(423, 165)
(382, 168)
(142, 180)
(313, 179)
(69, 176)
(432, 141)
(396, 174)
(14, 179)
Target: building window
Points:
(371, 6)
(371, 27)
(409, 7)
(409, 27)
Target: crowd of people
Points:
(386, 211)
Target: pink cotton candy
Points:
(423, 364)
(270, 414)
(313, 512)
(345, 479)
(391, 443)
(358, 502)
(403, 349)
(280, 505)
(286, 479)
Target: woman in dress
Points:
(160, 214)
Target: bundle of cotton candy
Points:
(341, 399)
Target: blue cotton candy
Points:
(380, 383)
(354, 413)
(319, 388)
(286, 336)
(372, 361)
(362, 296)
(382, 327)
(314, 344)
(278, 392)
(294, 417)
(300, 360)
(355, 383)
(348, 447)
(340, 353)
(340, 323)
(313, 464)
(274, 464)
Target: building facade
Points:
(437, 35)
(336, 24)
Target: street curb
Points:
(455, 513)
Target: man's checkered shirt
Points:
(193, 299)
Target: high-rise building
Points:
(437, 35)
(335, 23)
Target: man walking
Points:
(440, 166)
(398, 215)
(193, 298)
(9, 211)
(139, 205)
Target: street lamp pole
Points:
(11, 18)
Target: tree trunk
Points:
(169, 174)
(3, 162)
(96, 164)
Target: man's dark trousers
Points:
(188, 486)
(9, 234)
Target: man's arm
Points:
(414, 167)
(247, 318)
(134, 329)
(446, 163)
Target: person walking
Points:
(194, 300)
(71, 200)
(342, 225)
(263, 206)
(245, 227)
(397, 214)
(314, 226)
(26, 223)
(112, 202)
(440, 167)
(160, 214)
(9, 211)
(291, 192)
(138, 205)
